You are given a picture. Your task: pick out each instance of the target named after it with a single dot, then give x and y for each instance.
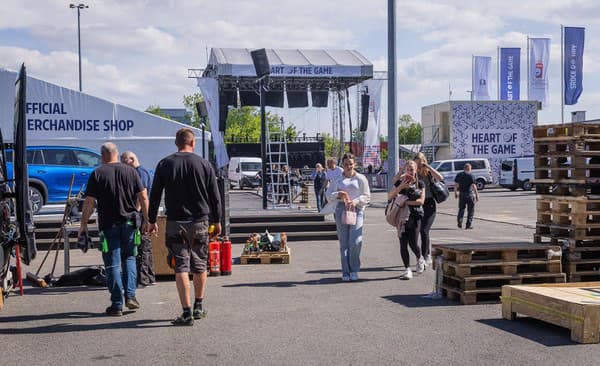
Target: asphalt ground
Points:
(300, 313)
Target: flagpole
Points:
(562, 75)
(528, 68)
(472, 78)
(498, 69)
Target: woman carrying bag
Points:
(429, 176)
(408, 184)
(350, 193)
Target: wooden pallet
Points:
(267, 258)
(570, 148)
(580, 212)
(567, 243)
(566, 131)
(483, 296)
(583, 277)
(573, 189)
(463, 260)
(590, 232)
(496, 281)
(575, 306)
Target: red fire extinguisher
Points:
(214, 260)
(225, 252)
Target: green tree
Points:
(155, 109)
(409, 131)
(189, 101)
(291, 133)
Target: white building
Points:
(479, 129)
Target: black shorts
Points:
(188, 243)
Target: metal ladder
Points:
(278, 158)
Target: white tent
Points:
(59, 116)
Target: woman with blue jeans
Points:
(351, 193)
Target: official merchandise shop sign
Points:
(56, 112)
(496, 143)
(54, 117)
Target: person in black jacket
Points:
(319, 184)
(192, 203)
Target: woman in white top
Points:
(351, 192)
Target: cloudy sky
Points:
(137, 52)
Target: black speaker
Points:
(364, 109)
(261, 62)
(223, 112)
(201, 109)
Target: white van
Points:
(517, 173)
(480, 168)
(244, 172)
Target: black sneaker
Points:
(460, 225)
(199, 314)
(469, 227)
(110, 311)
(132, 303)
(183, 320)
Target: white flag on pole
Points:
(210, 92)
(539, 59)
(481, 72)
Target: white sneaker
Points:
(420, 265)
(346, 278)
(353, 276)
(406, 275)
(428, 260)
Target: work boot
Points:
(199, 314)
(132, 303)
(183, 320)
(110, 311)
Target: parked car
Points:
(244, 172)
(480, 168)
(51, 169)
(517, 173)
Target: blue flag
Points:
(573, 67)
(510, 74)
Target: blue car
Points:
(51, 169)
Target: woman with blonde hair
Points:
(409, 184)
(429, 176)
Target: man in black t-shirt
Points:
(465, 189)
(192, 203)
(116, 187)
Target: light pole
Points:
(79, 7)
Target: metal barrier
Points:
(377, 181)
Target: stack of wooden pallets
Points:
(475, 273)
(567, 174)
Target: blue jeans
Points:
(319, 196)
(350, 237)
(121, 271)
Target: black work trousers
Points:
(466, 199)
(145, 262)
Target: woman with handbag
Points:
(408, 184)
(429, 176)
(351, 193)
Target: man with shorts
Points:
(192, 203)
(117, 188)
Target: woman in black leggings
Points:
(409, 185)
(428, 175)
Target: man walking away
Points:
(465, 189)
(144, 260)
(116, 188)
(192, 203)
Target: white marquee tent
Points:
(59, 116)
